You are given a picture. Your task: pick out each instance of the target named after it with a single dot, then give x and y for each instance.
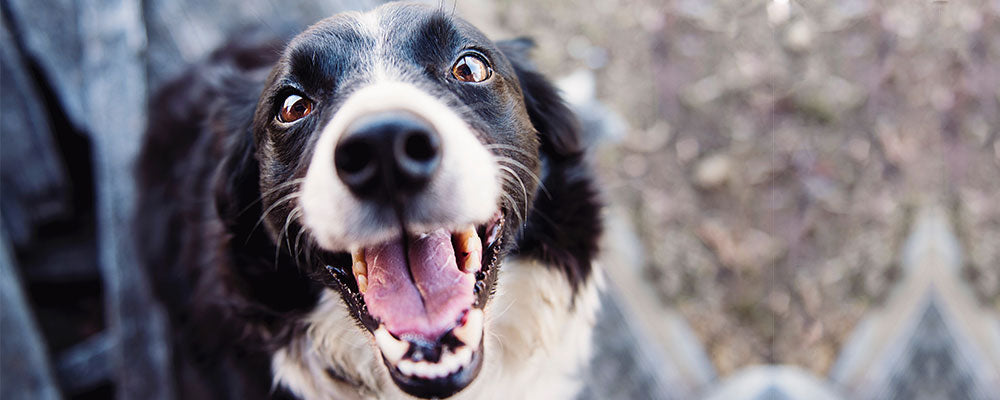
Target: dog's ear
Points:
(563, 230)
(237, 180)
(237, 186)
(557, 126)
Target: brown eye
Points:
(296, 107)
(471, 68)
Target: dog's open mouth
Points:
(423, 301)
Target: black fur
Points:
(234, 284)
(565, 224)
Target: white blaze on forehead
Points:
(463, 191)
(372, 25)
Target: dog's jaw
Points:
(539, 338)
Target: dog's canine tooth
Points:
(362, 283)
(470, 249)
(360, 269)
(463, 356)
(393, 349)
(471, 332)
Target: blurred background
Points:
(803, 196)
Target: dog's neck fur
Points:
(538, 337)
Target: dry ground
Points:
(776, 150)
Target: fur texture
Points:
(254, 312)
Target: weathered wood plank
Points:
(115, 97)
(86, 364)
(182, 32)
(24, 360)
(35, 186)
(49, 34)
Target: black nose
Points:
(387, 154)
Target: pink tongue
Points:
(396, 300)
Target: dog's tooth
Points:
(422, 369)
(463, 355)
(443, 370)
(393, 349)
(432, 370)
(446, 361)
(362, 283)
(407, 367)
(358, 254)
(453, 362)
(360, 269)
(470, 249)
(493, 230)
(472, 262)
(359, 265)
(471, 332)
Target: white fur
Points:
(538, 338)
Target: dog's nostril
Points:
(353, 157)
(419, 146)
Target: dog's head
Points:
(398, 154)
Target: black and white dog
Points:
(387, 205)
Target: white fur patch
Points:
(538, 338)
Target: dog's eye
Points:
(471, 68)
(295, 107)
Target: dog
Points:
(387, 205)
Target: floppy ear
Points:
(557, 126)
(237, 180)
(237, 184)
(564, 228)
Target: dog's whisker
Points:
(498, 338)
(295, 214)
(298, 242)
(282, 232)
(518, 164)
(523, 188)
(276, 204)
(531, 174)
(271, 191)
(497, 316)
(502, 146)
(513, 206)
(513, 203)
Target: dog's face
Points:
(398, 156)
